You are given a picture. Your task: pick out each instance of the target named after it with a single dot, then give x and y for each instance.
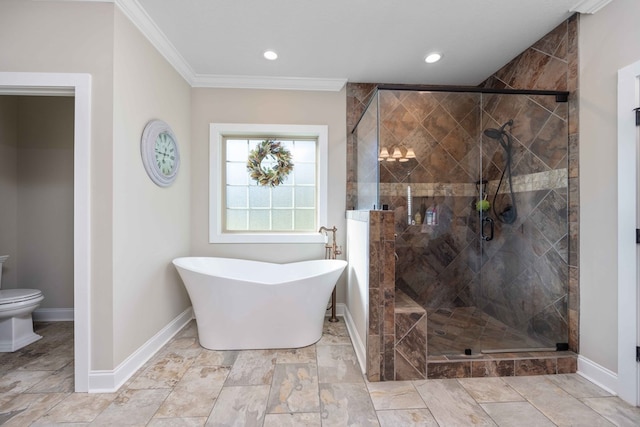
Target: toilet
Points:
(16, 324)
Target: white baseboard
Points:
(599, 375)
(358, 345)
(53, 315)
(109, 381)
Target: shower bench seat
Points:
(411, 338)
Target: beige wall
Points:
(45, 198)
(272, 107)
(9, 188)
(76, 37)
(608, 42)
(150, 223)
(133, 282)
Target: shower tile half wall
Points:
(397, 336)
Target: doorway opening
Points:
(79, 87)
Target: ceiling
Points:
(323, 44)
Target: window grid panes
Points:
(288, 207)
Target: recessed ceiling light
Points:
(270, 55)
(432, 57)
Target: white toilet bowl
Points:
(16, 324)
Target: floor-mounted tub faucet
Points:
(331, 251)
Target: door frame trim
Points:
(79, 86)
(628, 98)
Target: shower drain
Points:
(439, 332)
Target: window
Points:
(241, 211)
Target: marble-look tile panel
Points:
(521, 414)
(440, 370)
(26, 408)
(176, 422)
(492, 368)
(615, 410)
(535, 366)
(578, 386)
(78, 408)
(60, 381)
(304, 354)
(292, 420)
(195, 394)
(451, 405)
(56, 358)
(343, 405)
(240, 406)
(15, 382)
(215, 358)
(373, 358)
(555, 403)
(395, 395)
(132, 408)
(165, 370)
(294, 389)
(338, 364)
(406, 417)
(253, 367)
(490, 390)
(405, 370)
(567, 365)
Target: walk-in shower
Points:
(484, 246)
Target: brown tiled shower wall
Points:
(552, 64)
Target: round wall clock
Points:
(160, 154)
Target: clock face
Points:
(160, 153)
(165, 151)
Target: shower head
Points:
(497, 133)
(493, 133)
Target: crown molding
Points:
(589, 6)
(139, 17)
(264, 82)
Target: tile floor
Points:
(320, 385)
(452, 330)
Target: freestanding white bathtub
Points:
(241, 305)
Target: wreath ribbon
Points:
(267, 176)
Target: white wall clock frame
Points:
(160, 153)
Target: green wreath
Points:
(266, 175)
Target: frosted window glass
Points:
(305, 197)
(305, 151)
(259, 220)
(237, 150)
(237, 174)
(259, 196)
(282, 197)
(282, 219)
(305, 173)
(252, 207)
(305, 220)
(237, 197)
(237, 220)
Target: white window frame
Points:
(217, 131)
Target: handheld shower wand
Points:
(510, 212)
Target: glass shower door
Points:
(523, 286)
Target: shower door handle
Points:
(486, 220)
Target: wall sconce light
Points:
(384, 154)
(396, 155)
